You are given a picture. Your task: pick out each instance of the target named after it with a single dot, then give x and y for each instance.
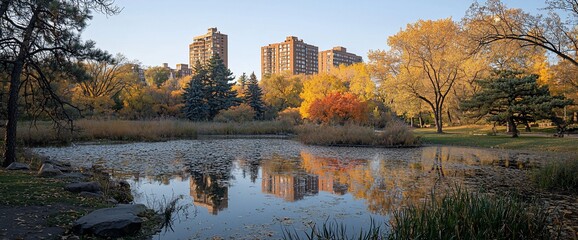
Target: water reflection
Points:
(254, 186)
(285, 178)
(209, 192)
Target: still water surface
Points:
(256, 188)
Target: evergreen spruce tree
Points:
(196, 107)
(242, 81)
(254, 97)
(219, 93)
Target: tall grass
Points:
(336, 230)
(558, 175)
(457, 215)
(44, 133)
(394, 134)
(463, 215)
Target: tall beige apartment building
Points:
(204, 46)
(329, 59)
(292, 55)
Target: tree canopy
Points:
(514, 98)
(38, 38)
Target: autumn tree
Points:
(104, 83)
(318, 87)
(253, 97)
(427, 62)
(37, 37)
(514, 98)
(281, 91)
(555, 31)
(156, 76)
(338, 108)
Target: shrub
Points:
(396, 133)
(561, 175)
(335, 135)
(337, 108)
(290, 116)
(241, 113)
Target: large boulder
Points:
(92, 187)
(48, 170)
(114, 222)
(18, 166)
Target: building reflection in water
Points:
(385, 183)
(208, 192)
(286, 179)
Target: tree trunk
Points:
(11, 124)
(512, 127)
(420, 120)
(438, 119)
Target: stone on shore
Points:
(92, 187)
(114, 222)
(48, 170)
(18, 166)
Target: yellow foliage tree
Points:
(428, 62)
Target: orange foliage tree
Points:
(339, 108)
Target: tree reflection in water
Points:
(209, 183)
(385, 184)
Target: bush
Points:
(335, 135)
(463, 215)
(337, 108)
(561, 175)
(241, 113)
(396, 133)
(290, 116)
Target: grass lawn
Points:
(476, 136)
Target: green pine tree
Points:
(254, 97)
(219, 87)
(513, 98)
(196, 107)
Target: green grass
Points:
(477, 137)
(24, 188)
(456, 215)
(557, 175)
(463, 215)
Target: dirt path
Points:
(31, 222)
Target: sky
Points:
(156, 32)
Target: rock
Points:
(92, 187)
(114, 222)
(48, 170)
(90, 195)
(73, 175)
(62, 166)
(18, 166)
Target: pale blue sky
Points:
(154, 32)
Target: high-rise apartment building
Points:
(292, 55)
(329, 59)
(204, 46)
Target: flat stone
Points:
(114, 222)
(92, 187)
(18, 166)
(48, 170)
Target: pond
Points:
(258, 188)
